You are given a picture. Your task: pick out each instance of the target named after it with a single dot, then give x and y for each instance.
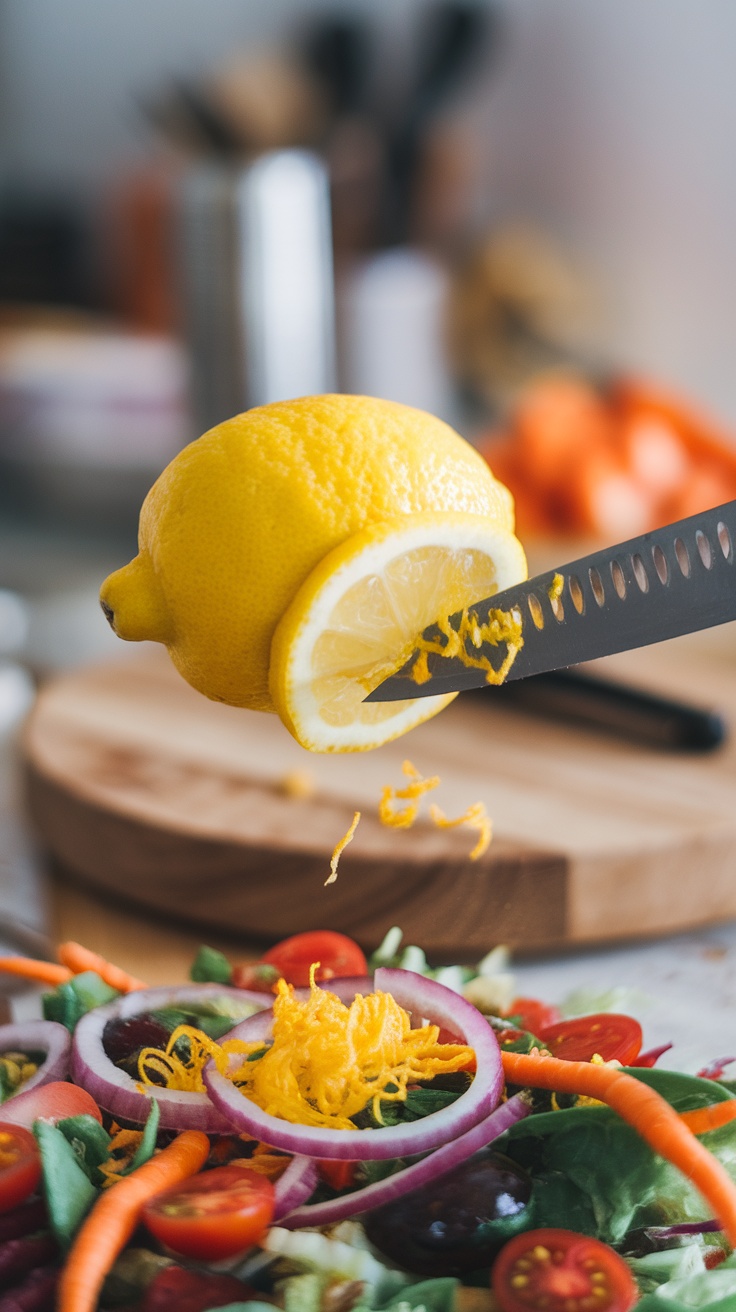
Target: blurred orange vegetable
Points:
(609, 463)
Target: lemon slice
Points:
(356, 618)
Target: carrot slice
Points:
(710, 1118)
(43, 972)
(79, 958)
(648, 1113)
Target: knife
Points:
(674, 580)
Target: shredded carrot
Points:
(476, 817)
(645, 1110)
(78, 959)
(346, 838)
(44, 972)
(411, 793)
(115, 1215)
(710, 1118)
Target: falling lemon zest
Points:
(411, 793)
(501, 627)
(123, 1147)
(476, 817)
(346, 838)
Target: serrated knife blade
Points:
(674, 580)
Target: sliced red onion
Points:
(714, 1070)
(685, 1228)
(426, 1171)
(119, 1093)
(415, 994)
(39, 1036)
(295, 1186)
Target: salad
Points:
(323, 1133)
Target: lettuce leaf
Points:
(592, 1173)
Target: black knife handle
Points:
(604, 704)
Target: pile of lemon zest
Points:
(340, 848)
(476, 817)
(501, 627)
(185, 1075)
(411, 793)
(328, 1061)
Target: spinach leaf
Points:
(68, 1191)
(89, 1141)
(71, 1001)
(211, 967)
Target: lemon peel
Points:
(476, 816)
(503, 627)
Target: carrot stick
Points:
(648, 1113)
(45, 972)
(115, 1216)
(78, 959)
(710, 1118)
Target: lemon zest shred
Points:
(554, 591)
(185, 1074)
(122, 1149)
(476, 817)
(411, 793)
(327, 1061)
(501, 627)
(340, 848)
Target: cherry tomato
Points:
(20, 1165)
(607, 1034)
(214, 1214)
(337, 954)
(533, 1015)
(50, 1102)
(561, 1272)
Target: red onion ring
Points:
(426, 1171)
(39, 1036)
(119, 1093)
(295, 1186)
(416, 994)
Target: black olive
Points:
(455, 1224)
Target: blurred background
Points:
(519, 215)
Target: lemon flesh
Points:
(357, 617)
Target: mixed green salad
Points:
(322, 1133)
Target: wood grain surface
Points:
(155, 797)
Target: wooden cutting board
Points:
(141, 787)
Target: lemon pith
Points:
(239, 521)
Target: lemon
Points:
(235, 526)
(359, 613)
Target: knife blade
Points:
(671, 581)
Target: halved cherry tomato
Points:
(214, 1214)
(20, 1165)
(50, 1102)
(611, 1036)
(182, 1290)
(561, 1272)
(533, 1014)
(337, 954)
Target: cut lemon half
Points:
(356, 619)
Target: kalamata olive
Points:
(122, 1040)
(459, 1222)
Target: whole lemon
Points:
(239, 519)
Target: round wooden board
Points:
(143, 788)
